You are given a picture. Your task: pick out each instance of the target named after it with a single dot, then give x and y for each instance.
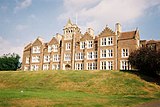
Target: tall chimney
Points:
(118, 28)
(91, 32)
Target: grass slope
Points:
(75, 88)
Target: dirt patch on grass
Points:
(32, 103)
(2, 85)
(150, 104)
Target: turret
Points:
(70, 29)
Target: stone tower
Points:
(69, 30)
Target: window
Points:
(50, 48)
(34, 67)
(46, 67)
(106, 65)
(89, 55)
(36, 49)
(55, 58)
(92, 66)
(82, 45)
(67, 57)
(92, 55)
(95, 55)
(79, 66)
(53, 48)
(110, 65)
(27, 60)
(103, 65)
(110, 42)
(107, 41)
(103, 53)
(125, 53)
(35, 58)
(46, 58)
(68, 46)
(125, 65)
(55, 66)
(110, 53)
(107, 53)
(79, 56)
(90, 44)
(103, 41)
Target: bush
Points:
(147, 60)
(9, 62)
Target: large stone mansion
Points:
(72, 50)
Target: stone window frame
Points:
(35, 59)
(45, 66)
(68, 46)
(124, 65)
(67, 57)
(46, 58)
(79, 66)
(36, 49)
(92, 66)
(125, 52)
(82, 44)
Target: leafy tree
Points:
(147, 60)
(9, 62)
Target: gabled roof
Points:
(40, 40)
(86, 36)
(127, 35)
(107, 31)
(53, 41)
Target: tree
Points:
(146, 60)
(9, 62)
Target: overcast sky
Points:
(22, 21)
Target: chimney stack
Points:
(91, 32)
(118, 28)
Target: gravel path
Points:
(150, 104)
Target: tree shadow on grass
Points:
(153, 79)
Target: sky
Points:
(22, 21)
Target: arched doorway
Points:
(67, 67)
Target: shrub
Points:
(146, 60)
(9, 62)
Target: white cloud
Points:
(98, 13)
(7, 47)
(21, 27)
(22, 5)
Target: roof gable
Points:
(38, 41)
(53, 41)
(86, 36)
(107, 32)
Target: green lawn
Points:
(75, 89)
